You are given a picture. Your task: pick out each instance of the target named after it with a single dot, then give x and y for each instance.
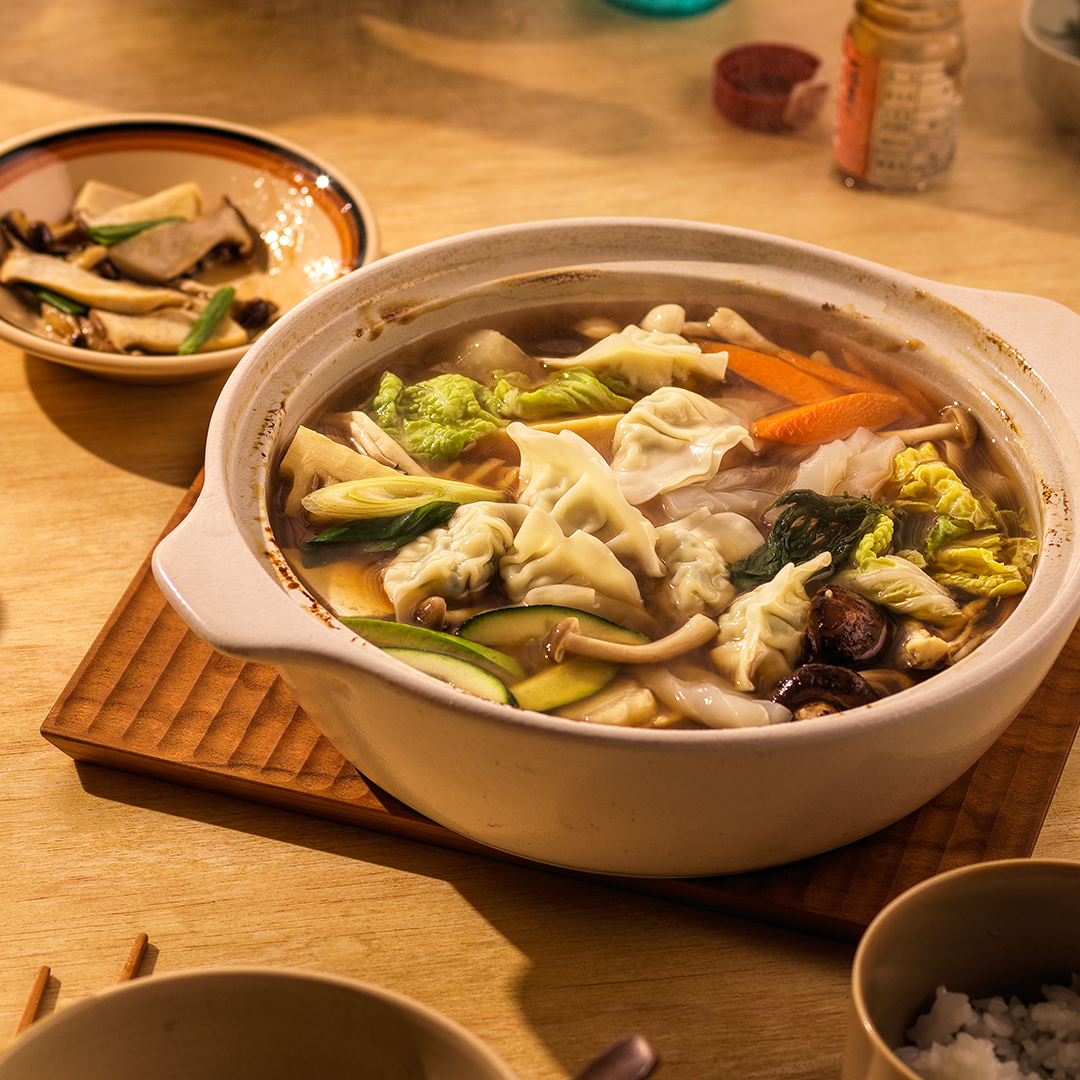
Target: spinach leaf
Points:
(809, 524)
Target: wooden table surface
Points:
(450, 115)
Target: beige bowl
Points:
(248, 1024)
(1050, 58)
(316, 225)
(995, 928)
(592, 796)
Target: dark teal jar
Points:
(667, 8)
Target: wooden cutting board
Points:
(151, 698)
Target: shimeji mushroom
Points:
(727, 325)
(566, 637)
(957, 425)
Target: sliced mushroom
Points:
(254, 314)
(820, 689)
(80, 331)
(166, 251)
(90, 257)
(565, 637)
(844, 628)
(957, 425)
(96, 197)
(86, 287)
(36, 235)
(161, 332)
(379, 444)
(102, 205)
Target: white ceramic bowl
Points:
(248, 1024)
(996, 928)
(625, 801)
(1050, 58)
(316, 224)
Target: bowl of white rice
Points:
(974, 974)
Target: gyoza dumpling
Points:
(761, 633)
(546, 566)
(569, 479)
(646, 358)
(455, 561)
(671, 438)
(696, 552)
(694, 692)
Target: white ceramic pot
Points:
(624, 801)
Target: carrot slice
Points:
(845, 380)
(856, 363)
(835, 418)
(772, 373)
(904, 386)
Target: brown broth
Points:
(552, 333)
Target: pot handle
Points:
(1042, 331)
(227, 597)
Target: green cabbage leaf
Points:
(574, 390)
(437, 418)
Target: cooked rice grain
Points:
(995, 1039)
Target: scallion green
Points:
(107, 235)
(56, 300)
(201, 329)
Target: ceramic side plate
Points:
(315, 224)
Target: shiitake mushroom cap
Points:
(817, 689)
(844, 628)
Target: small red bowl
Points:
(768, 87)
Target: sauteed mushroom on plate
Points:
(159, 274)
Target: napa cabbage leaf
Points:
(987, 564)
(895, 581)
(928, 485)
(966, 547)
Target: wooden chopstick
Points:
(29, 1012)
(131, 964)
(33, 1002)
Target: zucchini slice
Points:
(575, 678)
(387, 634)
(459, 673)
(516, 626)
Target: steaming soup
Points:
(655, 517)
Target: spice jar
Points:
(899, 93)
